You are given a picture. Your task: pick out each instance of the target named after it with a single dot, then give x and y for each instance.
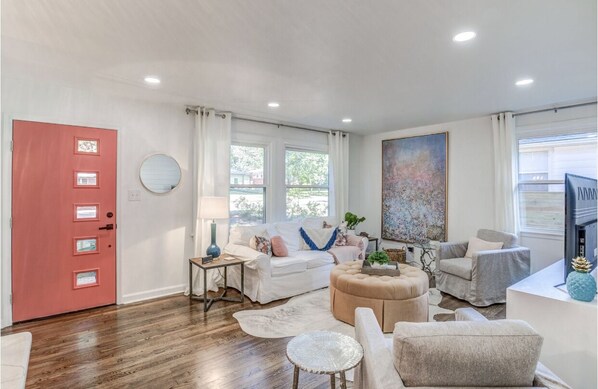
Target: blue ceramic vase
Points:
(581, 286)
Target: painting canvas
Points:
(414, 188)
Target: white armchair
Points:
(454, 354)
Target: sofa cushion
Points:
(261, 244)
(317, 238)
(279, 249)
(464, 354)
(243, 234)
(313, 259)
(287, 265)
(317, 222)
(460, 267)
(477, 244)
(289, 232)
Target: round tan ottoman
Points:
(393, 299)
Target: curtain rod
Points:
(195, 110)
(555, 109)
(284, 125)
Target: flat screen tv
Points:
(580, 219)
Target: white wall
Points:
(470, 177)
(549, 248)
(154, 233)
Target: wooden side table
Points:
(223, 261)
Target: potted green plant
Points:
(352, 220)
(378, 259)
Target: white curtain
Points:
(338, 155)
(211, 156)
(506, 207)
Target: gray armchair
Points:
(483, 279)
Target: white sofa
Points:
(272, 278)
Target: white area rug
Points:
(307, 312)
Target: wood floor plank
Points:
(166, 343)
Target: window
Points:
(247, 185)
(543, 162)
(306, 183)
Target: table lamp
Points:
(214, 208)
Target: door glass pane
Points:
(87, 146)
(86, 245)
(86, 212)
(87, 179)
(86, 278)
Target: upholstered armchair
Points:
(483, 278)
(469, 353)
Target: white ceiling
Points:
(388, 64)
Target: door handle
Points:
(107, 227)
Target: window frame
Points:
(266, 175)
(546, 130)
(287, 186)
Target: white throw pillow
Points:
(320, 236)
(477, 244)
(242, 234)
(289, 231)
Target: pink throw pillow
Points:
(279, 249)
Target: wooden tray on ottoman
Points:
(367, 268)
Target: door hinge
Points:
(12, 145)
(10, 222)
(10, 299)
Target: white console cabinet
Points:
(569, 327)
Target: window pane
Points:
(306, 168)
(87, 146)
(83, 212)
(87, 179)
(247, 206)
(302, 202)
(551, 157)
(247, 165)
(542, 207)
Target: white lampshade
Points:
(214, 208)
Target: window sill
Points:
(539, 234)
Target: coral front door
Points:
(63, 219)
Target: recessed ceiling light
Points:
(273, 104)
(347, 120)
(153, 80)
(464, 36)
(525, 81)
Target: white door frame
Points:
(6, 205)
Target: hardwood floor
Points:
(166, 343)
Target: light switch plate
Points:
(134, 195)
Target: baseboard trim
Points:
(153, 293)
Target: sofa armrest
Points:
(468, 314)
(253, 259)
(500, 267)
(359, 241)
(376, 370)
(543, 377)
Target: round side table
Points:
(324, 352)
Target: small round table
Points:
(324, 352)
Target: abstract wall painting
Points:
(414, 188)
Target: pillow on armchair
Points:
(477, 244)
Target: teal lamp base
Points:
(213, 249)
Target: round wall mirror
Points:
(160, 173)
